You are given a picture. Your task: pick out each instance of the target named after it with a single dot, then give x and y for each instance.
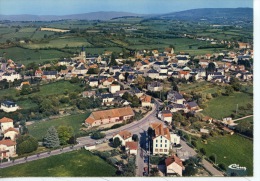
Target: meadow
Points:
(228, 150)
(39, 129)
(73, 164)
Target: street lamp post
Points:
(215, 158)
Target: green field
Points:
(224, 106)
(230, 149)
(39, 129)
(55, 88)
(61, 42)
(73, 164)
(25, 56)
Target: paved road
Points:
(243, 117)
(211, 169)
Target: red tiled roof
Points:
(146, 98)
(167, 114)
(11, 129)
(125, 134)
(160, 130)
(172, 159)
(131, 145)
(5, 120)
(7, 142)
(111, 113)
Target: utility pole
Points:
(236, 109)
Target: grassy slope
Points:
(224, 106)
(231, 149)
(73, 164)
(38, 129)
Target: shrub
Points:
(222, 166)
(98, 135)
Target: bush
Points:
(194, 143)
(117, 126)
(222, 166)
(26, 144)
(98, 135)
(212, 158)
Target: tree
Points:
(98, 135)
(229, 90)
(203, 151)
(190, 170)
(135, 137)
(211, 67)
(222, 166)
(116, 142)
(26, 144)
(65, 133)
(26, 89)
(113, 60)
(51, 139)
(126, 75)
(212, 158)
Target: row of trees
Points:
(61, 136)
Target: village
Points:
(138, 91)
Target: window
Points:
(165, 141)
(165, 145)
(161, 150)
(156, 141)
(156, 150)
(161, 145)
(165, 150)
(156, 145)
(161, 141)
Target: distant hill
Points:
(86, 16)
(211, 14)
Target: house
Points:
(192, 106)
(175, 139)
(114, 69)
(107, 99)
(166, 115)
(50, 75)
(176, 107)
(182, 60)
(243, 45)
(108, 81)
(119, 76)
(113, 88)
(168, 50)
(204, 131)
(184, 74)
(153, 74)
(155, 86)
(204, 63)
(174, 166)
(10, 77)
(9, 106)
(88, 94)
(161, 140)
(23, 83)
(38, 73)
(124, 136)
(131, 147)
(7, 149)
(146, 101)
(117, 115)
(207, 119)
(131, 78)
(11, 133)
(212, 75)
(93, 82)
(6, 123)
(175, 97)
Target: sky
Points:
(65, 7)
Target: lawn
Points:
(230, 149)
(224, 106)
(73, 164)
(39, 129)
